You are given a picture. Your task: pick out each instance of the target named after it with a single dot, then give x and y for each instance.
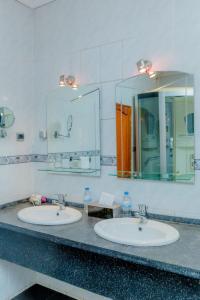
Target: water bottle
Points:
(126, 205)
(87, 198)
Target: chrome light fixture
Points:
(145, 67)
(62, 80)
(69, 81)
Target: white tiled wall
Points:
(14, 280)
(97, 41)
(16, 92)
(101, 41)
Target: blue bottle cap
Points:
(126, 193)
(87, 188)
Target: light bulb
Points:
(62, 81)
(152, 74)
(75, 86)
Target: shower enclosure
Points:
(155, 127)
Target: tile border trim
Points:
(106, 160)
(28, 158)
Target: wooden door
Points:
(124, 140)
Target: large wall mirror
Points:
(73, 125)
(155, 127)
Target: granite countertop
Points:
(181, 257)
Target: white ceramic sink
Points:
(49, 215)
(129, 231)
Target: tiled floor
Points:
(38, 292)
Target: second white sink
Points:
(130, 231)
(49, 215)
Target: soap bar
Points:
(85, 162)
(107, 199)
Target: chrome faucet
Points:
(142, 213)
(60, 202)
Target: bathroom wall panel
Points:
(90, 62)
(17, 93)
(156, 30)
(14, 279)
(111, 61)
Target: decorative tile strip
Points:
(108, 160)
(77, 154)
(105, 160)
(8, 160)
(18, 159)
(39, 157)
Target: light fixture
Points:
(69, 81)
(144, 66)
(75, 86)
(62, 80)
(152, 74)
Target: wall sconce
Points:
(62, 81)
(144, 67)
(69, 81)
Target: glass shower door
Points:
(149, 138)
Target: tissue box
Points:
(103, 211)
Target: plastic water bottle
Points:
(87, 198)
(126, 205)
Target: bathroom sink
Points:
(49, 215)
(130, 231)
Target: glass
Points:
(155, 127)
(73, 127)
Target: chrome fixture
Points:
(7, 120)
(142, 213)
(69, 125)
(3, 133)
(60, 202)
(145, 66)
(69, 128)
(69, 81)
(43, 135)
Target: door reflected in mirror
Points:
(155, 127)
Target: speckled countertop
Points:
(181, 257)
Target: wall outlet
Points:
(19, 136)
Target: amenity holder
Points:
(105, 208)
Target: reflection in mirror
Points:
(155, 127)
(7, 118)
(74, 130)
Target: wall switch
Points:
(20, 136)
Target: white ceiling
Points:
(35, 3)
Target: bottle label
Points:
(87, 199)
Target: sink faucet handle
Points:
(61, 198)
(143, 209)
